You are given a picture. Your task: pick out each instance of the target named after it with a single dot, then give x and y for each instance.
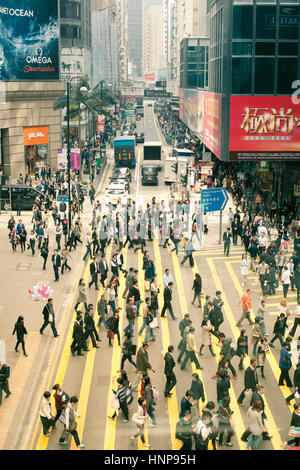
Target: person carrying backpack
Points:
(202, 432)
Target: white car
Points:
(116, 193)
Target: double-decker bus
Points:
(124, 151)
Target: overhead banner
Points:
(29, 33)
(101, 124)
(264, 128)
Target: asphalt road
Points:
(93, 376)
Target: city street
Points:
(92, 377)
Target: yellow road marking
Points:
(276, 441)
(17, 383)
(172, 402)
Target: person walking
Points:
(127, 351)
(224, 417)
(246, 306)
(60, 397)
(81, 297)
(242, 347)
(197, 390)
(203, 431)
(197, 288)
(286, 279)
(90, 329)
(169, 371)
(279, 329)
(121, 396)
(70, 424)
(285, 363)
(244, 268)
(46, 417)
(56, 262)
(94, 273)
(206, 327)
(78, 336)
(140, 418)
(296, 381)
(295, 423)
(142, 359)
(167, 301)
(103, 270)
(64, 259)
(4, 376)
(255, 424)
(49, 318)
(296, 321)
(223, 384)
(32, 241)
(20, 331)
(184, 431)
(102, 311)
(257, 334)
(250, 381)
(191, 351)
(113, 325)
(227, 241)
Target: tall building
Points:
(122, 16)
(75, 38)
(188, 19)
(105, 44)
(154, 57)
(135, 37)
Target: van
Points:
(27, 193)
(149, 174)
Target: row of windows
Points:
(265, 22)
(263, 75)
(70, 10)
(265, 48)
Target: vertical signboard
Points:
(101, 124)
(264, 128)
(212, 123)
(29, 33)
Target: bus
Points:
(139, 110)
(130, 116)
(124, 151)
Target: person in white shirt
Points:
(202, 432)
(167, 277)
(291, 268)
(88, 247)
(45, 414)
(262, 242)
(285, 278)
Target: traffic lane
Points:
(272, 390)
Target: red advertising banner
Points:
(101, 124)
(212, 123)
(150, 77)
(264, 128)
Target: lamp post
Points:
(82, 89)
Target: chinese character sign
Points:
(264, 127)
(212, 123)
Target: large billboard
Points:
(191, 110)
(212, 123)
(29, 33)
(264, 128)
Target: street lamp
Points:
(82, 89)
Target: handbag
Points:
(133, 350)
(294, 431)
(154, 323)
(110, 334)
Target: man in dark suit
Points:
(49, 317)
(236, 230)
(167, 301)
(169, 373)
(250, 381)
(227, 241)
(90, 329)
(78, 336)
(186, 404)
(103, 270)
(56, 261)
(94, 267)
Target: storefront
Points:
(36, 140)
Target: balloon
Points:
(40, 292)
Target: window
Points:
(70, 10)
(289, 22)
(265, 48)
(242, 22)
(241, 48)
(70, 32)
(288, 48)
(241, 75)
(264, 75)
(265, 22)
(287, 73)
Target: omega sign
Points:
(39, 59)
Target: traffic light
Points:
(174, 167)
